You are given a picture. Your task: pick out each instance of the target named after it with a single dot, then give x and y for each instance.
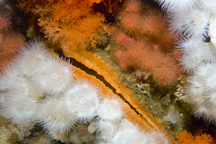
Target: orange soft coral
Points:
(187, 138)
(73, 24)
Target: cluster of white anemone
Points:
(40, 86)
(193, 21)
(124, 132)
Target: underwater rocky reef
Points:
(114, 72)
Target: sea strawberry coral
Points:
(10, 43)
(4, 22)
(139, 55)
(137, 45)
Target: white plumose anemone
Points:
(18, 97)
(212, 29)
(158, 137)
(196, 24)
(110, 109)
(176, 5)
(196, 87)
(194, 52)
(176, 24)
(54, 76)
(55, 117)
(202, 90)
(107, 129)
(31, 56)
(129, 133)
(125, 134)
(47, 71)
(207, 5)
(82, 99)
